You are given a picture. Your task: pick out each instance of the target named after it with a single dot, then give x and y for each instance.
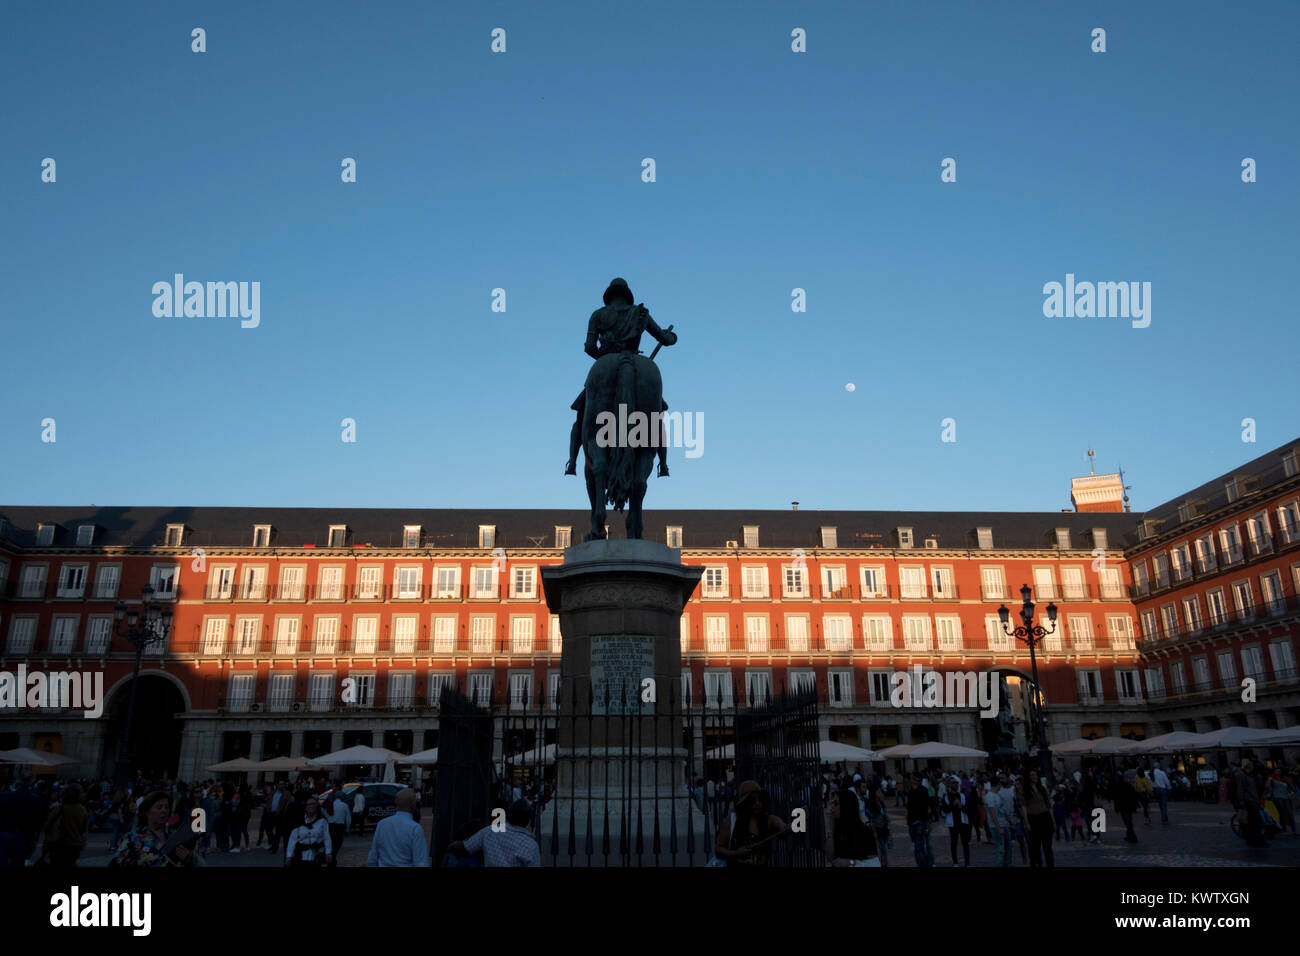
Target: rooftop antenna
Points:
(1091, 467)
(1127, 488)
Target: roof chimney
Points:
(794, 506)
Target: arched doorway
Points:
(156, 734)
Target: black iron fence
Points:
(626, 781)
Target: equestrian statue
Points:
(623, 385)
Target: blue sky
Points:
(522, 170)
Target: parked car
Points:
(381, 798)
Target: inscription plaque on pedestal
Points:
(619, 663)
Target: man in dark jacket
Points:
(918, 821)
(21, 816)
(1248, 803)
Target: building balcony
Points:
(1226, 623)
(1210, 691)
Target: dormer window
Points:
(411, 536)
(338, 536)
(984, 537)
(563, 536)
(905, 537)
(749, 535)
(175, 533)
(261, 535)
(487, 536)
(45, 535)
(1233, 490)
(1099, 538)
(1063, 538)
(674, 537)
(85, 535)
(1290, 463)
(829, 536)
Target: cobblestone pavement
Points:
(1198, 834)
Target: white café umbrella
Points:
(1276, 738)
(234, 766)
(1165, 743)
(424, 757)
(1114, 745)
(284, 763)
(36, 758)
(533, 756)
(356, 755)
(898, 750)
(833, 750)
(1229, 738)
(722, 753)
(940, 750)
(1079, 745)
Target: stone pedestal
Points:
(619, 755)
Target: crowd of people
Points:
(50, 822)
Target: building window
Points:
(437, 683)
(331, 584)
(754, 582)
(1177, 678)
(1072, 587)
(1227, 668)
(261, 535)
(72, 580)
(1063, 538)
(163, 580)
(882, 687)
(44, 535)
(32, 582)
(756, 634)
(948, 631)
(240, 696)
(750, 535)
(1252, 663)
(563, 537)
(795, 582)
(1184, 512)
(941, 583)
(1099, 539)
(363, 689)
(984, 538)
(175, 533)
(715, 581)
(1270, 587)
(879, 633)
(1140, 582)
(480, 689)
(758, 687)
(1119, 629)
(482, 634)
(98, 633)
(524, 582)
(993, 584)
(1126, 684)
(286, 635)
(221, 584)
(715, 634)
(279, 692)
(1201, 673)
(912, 581)
(717, 689)
(840, 685)
(408, 582)
(796, 634)
(86, 535)
(1089, 686)
(214, 636)
(444, 635)
(834, 583)
(998, 639)
(22, 635)
(905, 537)
(405, 634)
(1245, 599)
(248, 630)
(485, 582)
(487, 536)
(410, 536)
(320, 692)
(291, 584)
(684, 633)
(1192, 614)
(521, 691)
(916, 632)
(1155, 683)
(839, 633)
(1112, 589)
(338, 536)
(828, 537)
(327, 635)
(1232, 491)
(63, 635)
(557, 638)
(1081, 632)
(521, 635)
(874, 582)
(1283, 659)
(447, 583)
(674, 537)
(401, 690)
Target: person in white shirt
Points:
(309, 844)
(359, 811)
(513, 846)
(1160, 783)
(338, 821)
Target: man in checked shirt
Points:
(513, 846)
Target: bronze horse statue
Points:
(619, 413)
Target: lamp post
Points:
(149, 625)
(1033, 635)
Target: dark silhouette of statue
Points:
(623, 389)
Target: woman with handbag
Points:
(152, 843)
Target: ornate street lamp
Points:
(1033, 635)
(149, 625)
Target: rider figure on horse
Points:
(616, 329)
